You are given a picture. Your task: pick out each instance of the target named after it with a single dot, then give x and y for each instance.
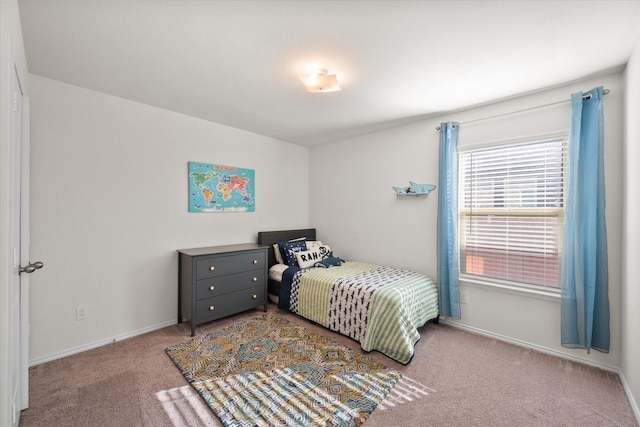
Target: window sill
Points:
(547, 294)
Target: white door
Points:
(15, 342)
(19, 240)
(24, 256)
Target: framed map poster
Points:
(215, 188)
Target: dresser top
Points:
(211, 250)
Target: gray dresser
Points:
(218, 281)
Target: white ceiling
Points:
(237, 62)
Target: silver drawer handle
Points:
(211, 308)
(211, 287)
(255, 261)
(212, 268)
(255, 279)
(254, 296)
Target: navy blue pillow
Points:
(289, 249)
(329, 262)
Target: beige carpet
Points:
(455, 379)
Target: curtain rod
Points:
(585, 97)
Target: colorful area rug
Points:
(267, 371)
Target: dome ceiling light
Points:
(320, 81)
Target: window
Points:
(511, 211)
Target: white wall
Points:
(353, 204)
(631, 234)
(109, 208)
(11, 49)
(356, 212)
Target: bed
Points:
(380, 307)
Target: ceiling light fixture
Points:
(320, 81)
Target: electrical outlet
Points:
(82, 312)
(463, 297)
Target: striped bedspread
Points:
(380, 307)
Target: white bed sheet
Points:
(275, 272)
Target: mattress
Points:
(380, 307)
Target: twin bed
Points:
(380, 307)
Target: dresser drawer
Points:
(231, 303)
(221, 285)
(229, 264)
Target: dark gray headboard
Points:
(268, 238)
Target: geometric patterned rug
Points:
(267, 371)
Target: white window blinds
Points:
(512, 211)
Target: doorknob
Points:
(30, 268)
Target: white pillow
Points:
(276, 251)
(309, 258)
(313, 244)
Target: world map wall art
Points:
(215, 188)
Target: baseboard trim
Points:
(614, 369)
(525, 344)
(627, 389)
(101, 343)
